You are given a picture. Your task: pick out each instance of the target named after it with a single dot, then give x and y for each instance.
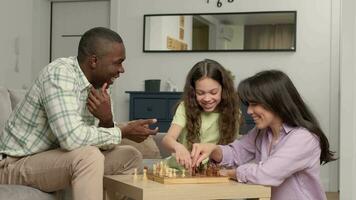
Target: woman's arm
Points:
(240, 151)
(298, 152)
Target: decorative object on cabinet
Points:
(152, 85)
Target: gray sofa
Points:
(150, 149)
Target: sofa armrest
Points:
(158, 139)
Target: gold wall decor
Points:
(174, 44)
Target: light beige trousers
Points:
(81, 169)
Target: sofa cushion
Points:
(16, 95)
(5, 107)
(20, 192)
(158, 139)
(148, 148)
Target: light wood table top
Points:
(146, 189)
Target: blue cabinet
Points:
(159, 105)
(162, 105)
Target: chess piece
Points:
(154, 168)
(166, 170)
(169, 170)
(183, 172)
(144, 177)
(209, 171)
(135, 173)
(161, 171)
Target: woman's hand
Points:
(183, 156)
(201, 151)
(231, 173)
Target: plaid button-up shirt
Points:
(54, 114)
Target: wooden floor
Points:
(332, 195)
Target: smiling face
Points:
(262, 117)
(108, 67)
(208, 93)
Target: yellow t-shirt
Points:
(209, 131)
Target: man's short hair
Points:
(95, 40)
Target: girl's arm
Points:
(169, 141)
(182, 155)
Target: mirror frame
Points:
(221, 50)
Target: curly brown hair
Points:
(229, 107)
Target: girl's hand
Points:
(201, 151)
(183, 156)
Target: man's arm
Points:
(61, 101)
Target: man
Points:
(53, 137)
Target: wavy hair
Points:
(229, 106)
(274, 90)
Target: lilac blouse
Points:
(291, 165)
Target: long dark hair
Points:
(228, 107)
(273, 90)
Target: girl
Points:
(209, 112)
(286, 147)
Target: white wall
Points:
(24, 42)
(348, 101)
(16, 43)
(236, 41)
(309, 67)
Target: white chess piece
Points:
(144, 177)
(135, 173)
(154, 168)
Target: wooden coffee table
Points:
(146, 189)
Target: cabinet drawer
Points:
(163, 126)
(150, 108)
(172, 106)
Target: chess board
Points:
(179, 179)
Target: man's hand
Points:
(138, 130)
(99, 104)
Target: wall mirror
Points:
(205, 32)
